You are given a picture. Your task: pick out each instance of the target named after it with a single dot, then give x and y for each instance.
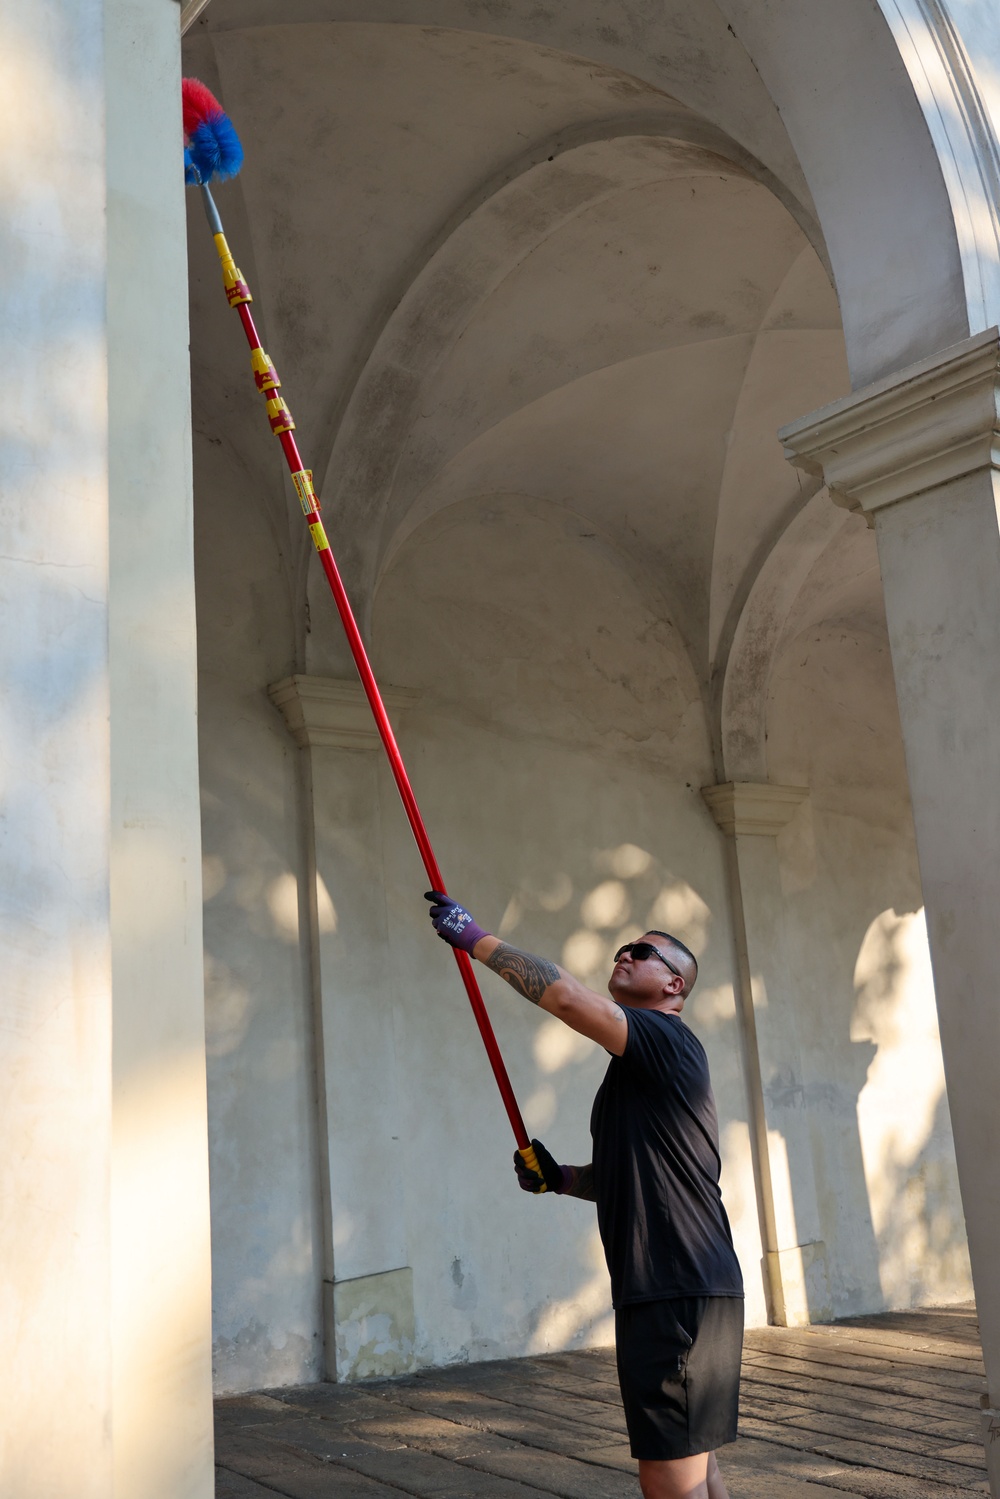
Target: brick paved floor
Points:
(885, 1407)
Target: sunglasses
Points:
(642, 950)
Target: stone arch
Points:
(754, 632)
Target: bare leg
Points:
(716, 1488)
(681, 1478)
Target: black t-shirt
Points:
(656, 1168)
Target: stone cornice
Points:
(326, 712)
(919, 428)
(754, 807)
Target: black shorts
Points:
(679, 1371)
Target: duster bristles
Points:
(212, 149)
(197, 103)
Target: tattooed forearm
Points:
(582, 1184)
(524, 972)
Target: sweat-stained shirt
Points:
(657, 1166)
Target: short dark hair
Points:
(681, 948)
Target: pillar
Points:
(368, 1283)
(918, 454)
(750, 815)
(106, 1324)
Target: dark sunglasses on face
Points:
(639, 951)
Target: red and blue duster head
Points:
(212, 150)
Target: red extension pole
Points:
(282, 424)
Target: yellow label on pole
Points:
(232, 278)
(319, 536)
(303, 481)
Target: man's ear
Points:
(674, 986)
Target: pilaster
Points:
(367, 1282)
(751, 815)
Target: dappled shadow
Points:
(903, 1119)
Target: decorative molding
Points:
(325, 712)
(924, 426)
(753, 807)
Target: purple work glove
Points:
(453, 922)
(554, 1177)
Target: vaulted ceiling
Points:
(492, 266)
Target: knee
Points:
(684, 1478)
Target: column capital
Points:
(758, 807)
(325, 712)
(912, 431)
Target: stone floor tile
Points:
(235, 1486)
(879, 1408)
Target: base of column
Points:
(373, 1326)
(799, 1285)
(991, 1441)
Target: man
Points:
(675, 1280)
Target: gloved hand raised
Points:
(453, 922)
(554, 1178)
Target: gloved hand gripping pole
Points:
(282, 425)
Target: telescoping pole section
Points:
(266, 377)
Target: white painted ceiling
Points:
(491, 267)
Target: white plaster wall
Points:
(871, 1094)
(262, 1120)
(538, 305)
(557, 749)
(265, 1244)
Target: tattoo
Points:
(524, 972)
(582, 1184)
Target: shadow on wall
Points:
(638, 895)
(904, 1122)
(557, 742)
(860, 1140)
(265, 1234)
(856, 985)
(567, 1302)
(575, 767)
(633, 893)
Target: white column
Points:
(751, 815)
(161, 1255)
(106, 1325)
(918, 453)
(368, 1284)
